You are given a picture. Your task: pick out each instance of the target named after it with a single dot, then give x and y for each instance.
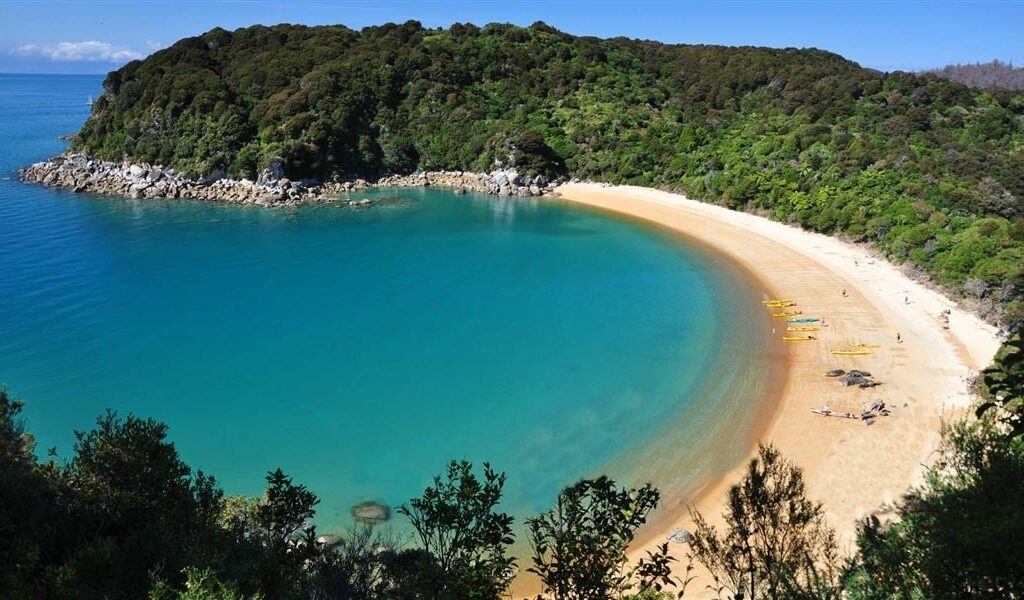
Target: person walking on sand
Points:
(899, 338)
(844, 292)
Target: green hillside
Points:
(929, 171)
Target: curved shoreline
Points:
(852, 469)
(773, 366)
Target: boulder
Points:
(371, 512)
(272, 172)
(213, 176)
(328, 540)
(136, 171)
(679, 536)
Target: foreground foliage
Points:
(958, 536)
(776, 543)
(1003, 385)
(929, 171)
(466, 539)
(579, 546)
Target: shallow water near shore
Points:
(361, 349)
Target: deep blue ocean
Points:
(360, 350)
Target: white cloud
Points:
(79, 51)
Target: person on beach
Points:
(844, 292)
(899, 338)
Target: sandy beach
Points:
(853, 469)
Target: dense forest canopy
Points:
(930, 171)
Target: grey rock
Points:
(213, 177)
(329, 540)
(371, 512)
(271, 173)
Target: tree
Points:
(466, 539)
(1004, 383)
(200, 584)
(134, 508)
(285, 534)
(776, 543)
(286, 509)
(355, 566)
(958, 535)
(28, 516)
(579, 546)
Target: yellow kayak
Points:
(804, 328)
(780, 304)
(852, 352)
(767, 302)
(798, 338)
(866, 346)
(788, 313)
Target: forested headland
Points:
(929, 171)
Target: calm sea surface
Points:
(360, 350)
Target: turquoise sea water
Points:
(360, 350)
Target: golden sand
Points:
(851, 468)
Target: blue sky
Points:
(94, 37)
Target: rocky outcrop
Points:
(503, 183)
(82, 173)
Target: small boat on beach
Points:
(798, 338)
(804, 320)
(852, 352)
(769, 302)
(865, 346)
(788, 313)
(780, 304)
(804, 328)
